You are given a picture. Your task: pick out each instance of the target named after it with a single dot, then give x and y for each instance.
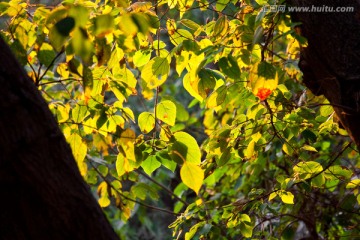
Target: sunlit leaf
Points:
(150, 164)
(146, 122)
(353, 183)
(79, 150)
(286, 197)
(166, 112)
(309, 148)
(102, 190)
(192, 176)
(185, 149)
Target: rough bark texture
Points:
(331, 62)
(43, 195)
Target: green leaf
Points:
(65, 25)
(221, 5)
(81, 43)
(190, 24)
(19, 51)
(150, 164)
(141, 190)
(258, 35)
(141, 58)
(207, 82)
(230, 67)
(166, 112)
(287, 148)
(192, 175)
(166, 160)
(221, 26)
(305, 170)
(336, 172)
(246, 227)
(327, 109)
(266, 70)
(46, 54)
(189, 235)
(217, 97)
(225, 157)
(103, 24)
(319, 180)
(180, 35)
(146, 122)
(185, 149)
(78, 113)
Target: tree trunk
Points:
(331, 61)
(43, 195)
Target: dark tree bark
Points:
(331, 61)
(43, 195)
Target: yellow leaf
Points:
(287, 149)
(353, 184)
(166, 112)
(155, 72)
(286, 197)
(309, 148)
(126, 141)
(146, 122)
(272, 196)
(261, 87)
(122, 165)
(249, 152)
(104, 200)
(79, 150)
(192, 176)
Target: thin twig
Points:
(162, 186)
(130, 199)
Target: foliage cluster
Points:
(193, 109)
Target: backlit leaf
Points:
(166, 112)
(192, 176)
(286, 197)
(46, 54)
(146, 122)
(185, 149)
(150, 164)
(79, 150)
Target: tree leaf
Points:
(79, 150)
(103, 24)
(185, 149)
(192, 176)
(230, 67)
(46, 54)
(102, 191)
(166, 112)
(286, 197)
(146, 122)
(150, 164)
(309, 148)
(155, 72)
